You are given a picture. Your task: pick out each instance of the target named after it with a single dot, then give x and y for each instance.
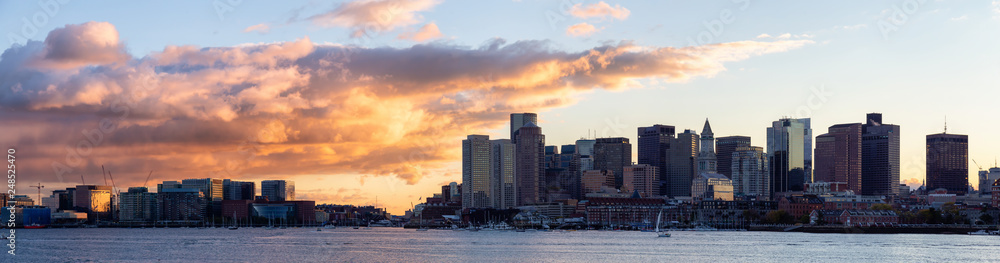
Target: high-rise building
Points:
(570, 179)
(183, 205)
(278, 190)
(724, 148)
(596, 181)
(654, 142)
(59, 200)
(502, 173)
(986, 179)
(751, 174)
(529, 158)
(879, 157)
(948, 162)
(137, 205)
(838, 156)
(478, 189)
(642, 179)
(683, 163)
(211, 190)
(518, 120)
(237, 190)
(613, 154)
(707, 161)
(789, 150)
(95, 200)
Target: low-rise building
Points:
(799, 205)
(729, 214)
(869, 217)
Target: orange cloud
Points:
(91, 43)
(600, 10)
(259, 28)
(364, 16)
(581, 29)
(279, 110)
(427, 32)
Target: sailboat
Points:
(234, 227)
(658, 233)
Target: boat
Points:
(233, 227)
(330, 227)
(422, 229)
(658, 233)
(319, 229)
(984, 232)
(34, 226)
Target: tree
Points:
(804, 219)
(778, 217)
(881, 207)
(751, 216)
(986, 218)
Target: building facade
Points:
(598, 181)
(751, 174)
(879, 157)
(712, 186)
(518, 120)
(683, 163)
(137, 205)
(654, 142)
(642, 179)
(278, 190)
(707, 161)
(789, 150)
(476, 158)
(181, 205)
(613, 154)
(502, 173)
(838, 156)
(948, 162)
(530, 163)
(724, 148)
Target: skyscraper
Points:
(502, 173)
(654, 141)
(789, 149)
(278, 190)
(613, 154)
(838, 156)
(95, 200)
(707, 161)
(517, 120)
(530, 159)
(879, 157)
(237, 190)
(986, 179)
(585, 149)
(137, 205)
(948, 162)
(724, 148)
(750, 173)
(476, 179)
(683, 163)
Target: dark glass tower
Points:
(948, 162)
(654, 142)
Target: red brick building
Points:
(799, 205)
(996, 193)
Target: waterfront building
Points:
(859, 218)
(879, 156)
(95, 200)
(22, 200)
(799, 205)
(180, 205)
(948, 162)
(729, 214)
(137, 205)
(278, 190)
(613, 154)
(789, 150)
(601, 211)
(237, 190)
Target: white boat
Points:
(330, 227)
(658, 233)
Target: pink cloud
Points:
(427, 32)
(600, 10)
(581, 29)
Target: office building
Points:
(237, 190)
(948, 162)
(789, 149)
(180, 205)
(529, 157)
(751, 174)
(986, 179)
(879, 157)
(278, 190)
(724, 148)
(476, 168)
(654, 142)
(683, 164)
(95, 200)
(502, 173)
(137, 205)
(518, 120)
(613, 154)
(642, 179)
(838, 156)
(598, 181)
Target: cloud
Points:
(427, 32)
(302, 108)
(581, 29)
(259, 28)
(785, 36)
(600, 10)
(960, 18)
(91, 43)
(763, 36)
(364, 16)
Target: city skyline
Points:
(317, 93)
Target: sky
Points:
(365, 102)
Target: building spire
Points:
(707, 129)
(946, 124)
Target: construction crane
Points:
(104, 174)
(147, 178)
(977, 164)
(39, 187)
